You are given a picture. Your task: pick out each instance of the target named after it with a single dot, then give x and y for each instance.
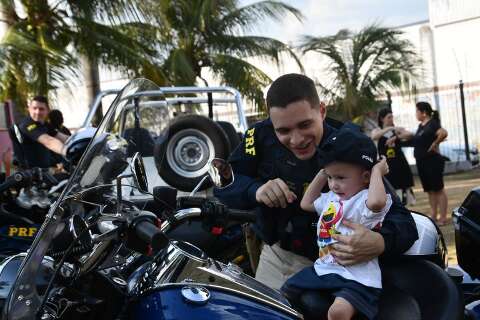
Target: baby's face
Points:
(346, 179)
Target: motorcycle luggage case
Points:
(466, 221)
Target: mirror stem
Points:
(119, 191)
(119, 194)
(198, 186)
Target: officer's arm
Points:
(244, 161)
(398, 230)
(52, 143)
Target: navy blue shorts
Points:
(364, 299)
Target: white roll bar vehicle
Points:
(208, 123)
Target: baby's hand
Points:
(381, 166)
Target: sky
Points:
(326, 17)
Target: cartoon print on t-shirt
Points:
(329, 222)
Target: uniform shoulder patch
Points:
(31, 127)
(250, 142)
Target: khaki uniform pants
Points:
(277, 265)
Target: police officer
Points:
(37, 139)
(273, 165)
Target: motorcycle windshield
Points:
(137, 121)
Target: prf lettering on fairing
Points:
(250, 142)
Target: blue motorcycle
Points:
(24, 202)
(27, 195)
(104, 252)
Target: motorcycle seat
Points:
(414, 289)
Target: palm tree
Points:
(211, 35)
(111, 33)
(33, 54)
(363, 66)
(41, 50)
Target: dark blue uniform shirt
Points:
(261, 157)
(35, 153)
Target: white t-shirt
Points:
(331, 212)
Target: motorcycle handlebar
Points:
(7, 184)
(26, 177)
(190, 202)
(17, 179)
(241, 215)
(212, 207)
(148, 232)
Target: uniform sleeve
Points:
(32, 129)
(398, 230)
(244, 161)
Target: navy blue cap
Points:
(349, 145)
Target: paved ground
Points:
(457, 186)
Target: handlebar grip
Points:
(7, 185)
(242, 215)
(152, 235)
(190, 202)
(17, 178)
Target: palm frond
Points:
(364, 65)
(247, 17)
(243, 76)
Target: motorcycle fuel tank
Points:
(171, 303)
(466, 220)
(182, 282)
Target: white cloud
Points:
(325, 17)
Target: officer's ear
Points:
(323, 110)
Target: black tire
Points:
(193, 141)
(231, 133)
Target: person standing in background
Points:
(430, 163)
(389, 145)
(38, 141)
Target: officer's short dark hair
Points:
(292, 87)
(41, 99)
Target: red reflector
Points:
(216, 230)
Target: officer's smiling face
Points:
(299, 127)
(38, 111)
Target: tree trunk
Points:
(92, 84)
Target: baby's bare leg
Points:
(341, 309)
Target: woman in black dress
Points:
(389, 145)
(430, 163)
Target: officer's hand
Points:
(361, 246)
(275, 193)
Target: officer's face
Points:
(38, 111)
(299, 127)
(346, 179)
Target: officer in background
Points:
(274, 164)
(36, 138)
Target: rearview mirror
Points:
(138, 172)
(221, 173)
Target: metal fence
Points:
(447, 100)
